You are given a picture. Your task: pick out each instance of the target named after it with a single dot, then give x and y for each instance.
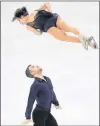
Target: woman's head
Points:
(21, 15)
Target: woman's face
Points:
(22, 20)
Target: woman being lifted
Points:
(44, 20)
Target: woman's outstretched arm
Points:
(35, 31)
(46, 6)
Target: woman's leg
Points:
(62, 25)
(80, 38)
(61, 35)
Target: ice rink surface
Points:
(73, 70)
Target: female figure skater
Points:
(43, 20)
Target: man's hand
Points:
(58, 107)
(27, 121)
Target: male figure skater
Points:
(42, 91)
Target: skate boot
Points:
(83, 40)
(92, 43)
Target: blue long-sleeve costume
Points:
(41, 91)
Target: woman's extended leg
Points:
(64, 26)
(60, 35)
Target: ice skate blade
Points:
(93, 43)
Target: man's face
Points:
(35, 69)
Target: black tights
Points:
(43, 118)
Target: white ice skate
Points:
(92, 43)
(83, 40)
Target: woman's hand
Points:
(46, 6)
(35, 31)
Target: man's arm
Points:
(55, 101)
(32, 95)
(46, 6)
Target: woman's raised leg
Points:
(67, 28)
(61, 35)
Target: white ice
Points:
(73, 70)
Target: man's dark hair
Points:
(28, 72)
(20, 12)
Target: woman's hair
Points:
(20, 12)
(28, 72)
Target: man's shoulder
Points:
(47, 77)
(35, 84)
